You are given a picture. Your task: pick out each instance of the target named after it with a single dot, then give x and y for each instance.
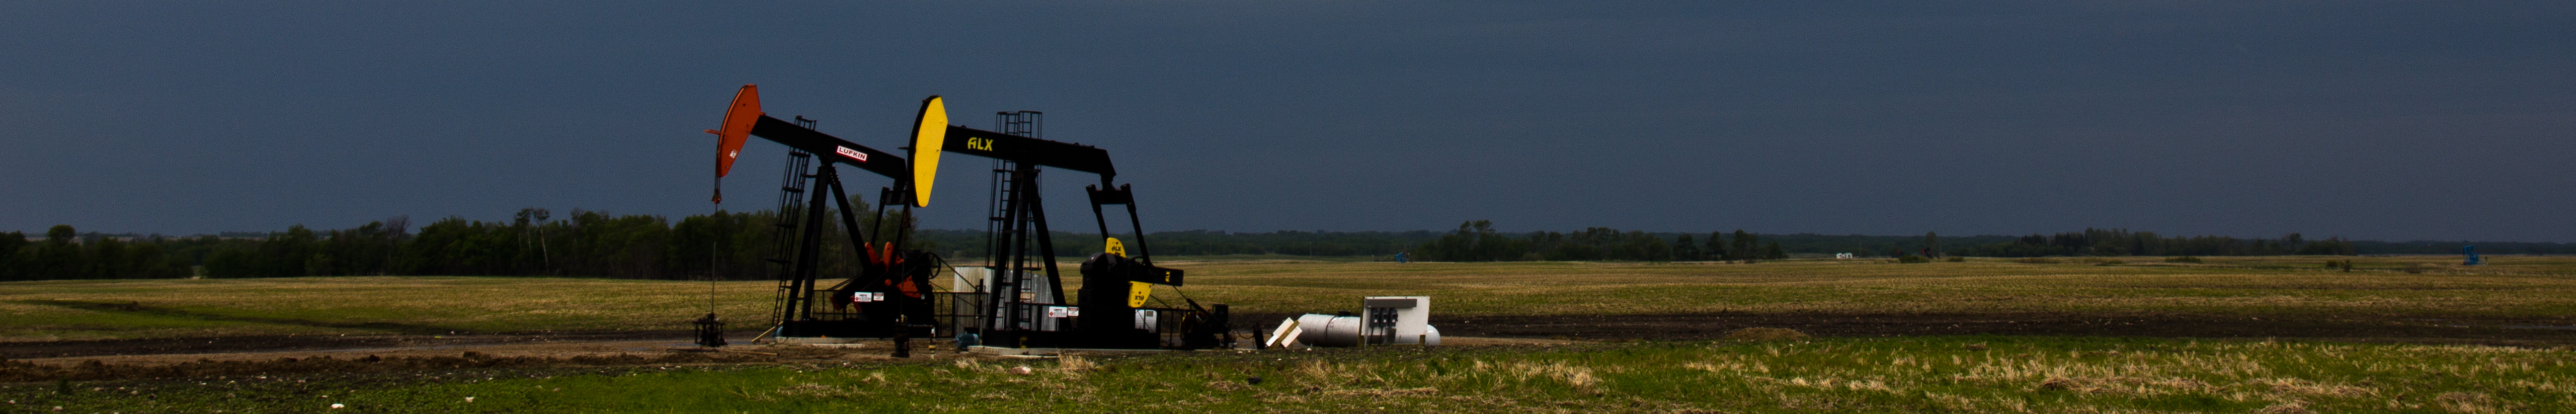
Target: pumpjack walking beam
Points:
(883, 268)
(1031, 153)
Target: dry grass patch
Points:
(2221, 286)
(59, 310)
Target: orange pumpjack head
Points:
(736, 128)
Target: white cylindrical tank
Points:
(1341, 331)
(1329, 330)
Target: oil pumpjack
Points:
(1020, 296)
(889, 295)
(1017, 301)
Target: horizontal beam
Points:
(1026, 150)
(831, 148)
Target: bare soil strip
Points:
(1714, 326)
(454, 354)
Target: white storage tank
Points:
(1383, 320)
(1328, 330)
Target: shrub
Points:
(1913, 259)
(1955, 259)
(2182, 259)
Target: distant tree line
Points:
(736, 246)
(532, 243)
(2453, 247)
(63, 254)
(2122, 242)
(970, 244)
(1477, 241)
(536, 242)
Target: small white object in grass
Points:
(337, 406)
(1022, 370)
(469, 399)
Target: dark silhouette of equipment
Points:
(1021, 299)
(710, 331)
(887, 294)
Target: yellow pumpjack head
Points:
(929, 134)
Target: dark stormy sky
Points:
(2373, 119)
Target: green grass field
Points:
(1849, 374)
(2540, 288)
(1892, 375)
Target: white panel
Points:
(1412, 324)
(966, 279)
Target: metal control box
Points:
(1391, 320)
